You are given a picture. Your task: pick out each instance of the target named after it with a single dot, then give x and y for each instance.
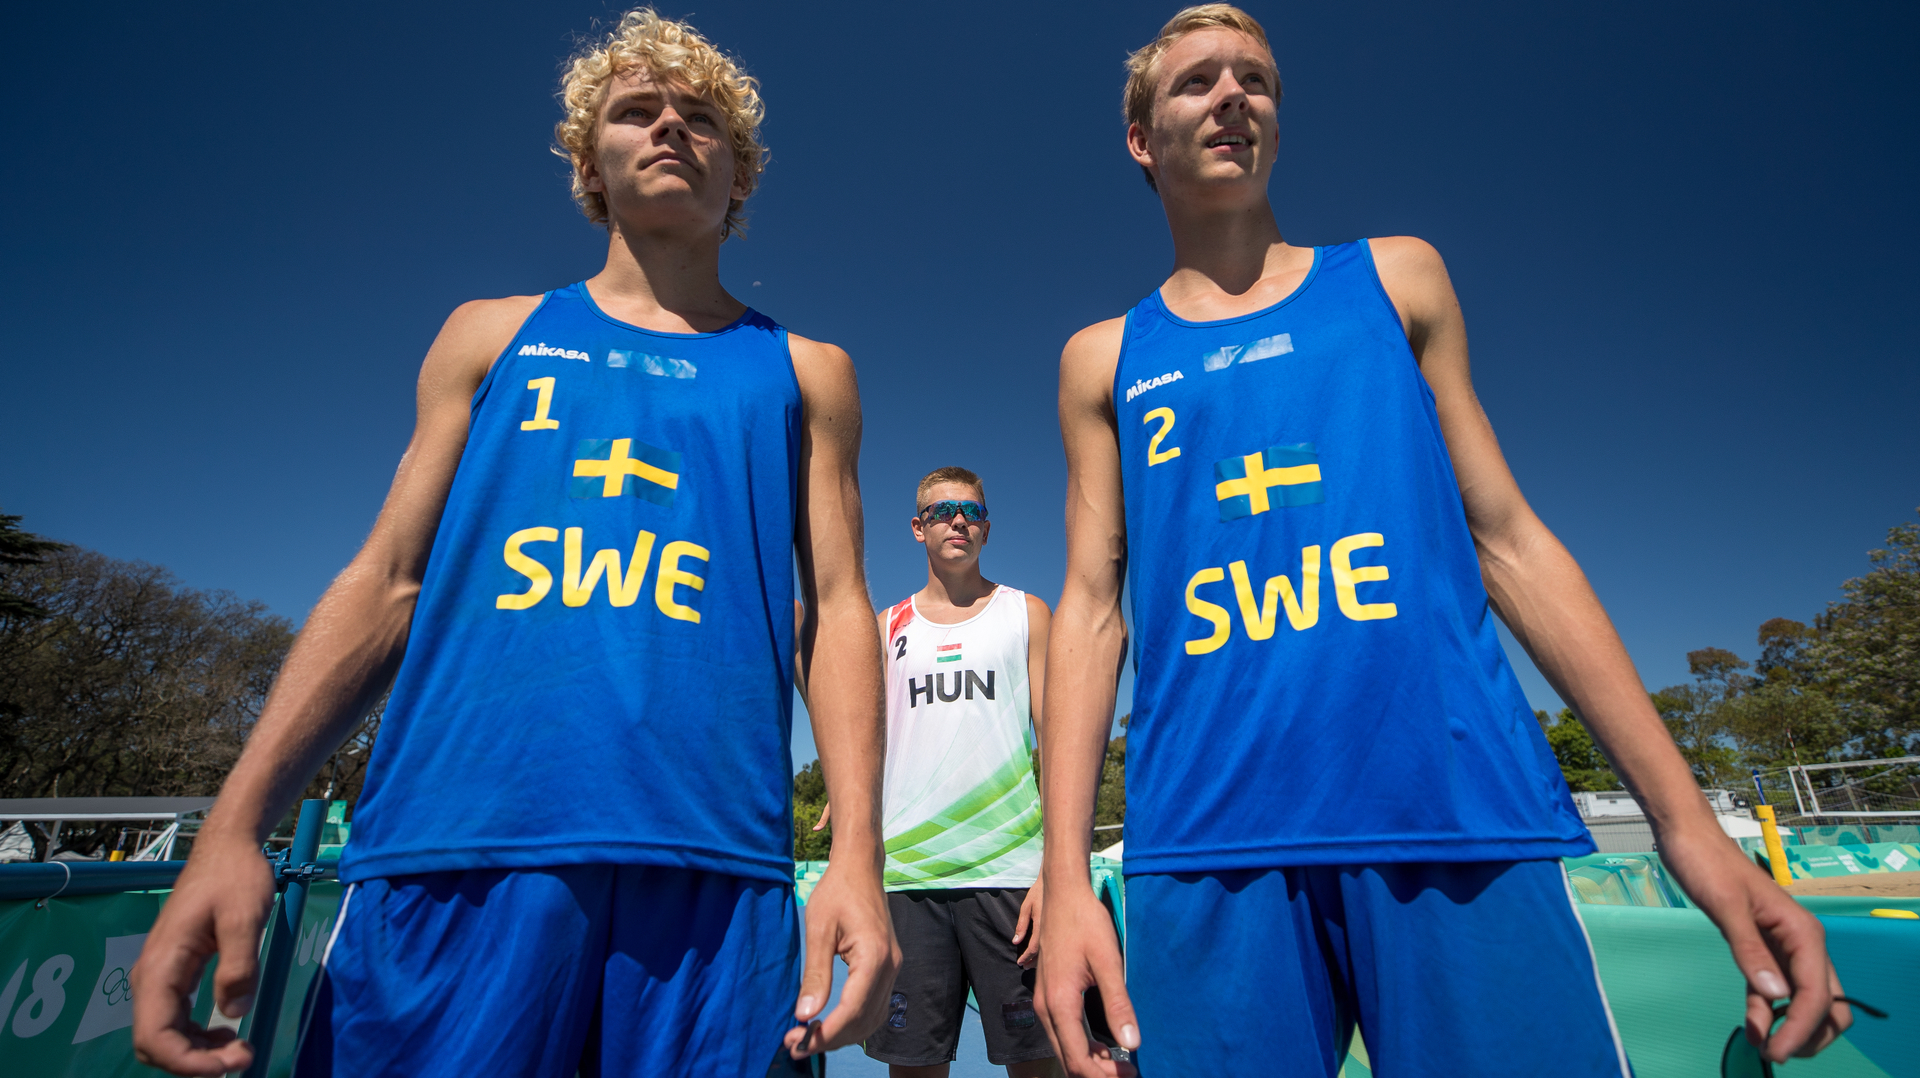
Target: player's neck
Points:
(664, 281)
(958, 590)
(1222, 249)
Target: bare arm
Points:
(1039, 623)
(344, 658)
(840, 660)
(1543, 597)
(1078, 949)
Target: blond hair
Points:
(949, 474)
(1136, 102)
(669, 52)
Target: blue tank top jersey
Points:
(600, 664)
(1317, 675)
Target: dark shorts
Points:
(950, 941)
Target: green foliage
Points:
(126, 683)
(20, 548)
(1110, 802)
(1868, 651)
(809, 801)
(1845, 688)
(1581, 760)
(1694, 717)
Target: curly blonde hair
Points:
(1136, 102)
(668, 51)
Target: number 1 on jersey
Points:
(545, 401)
(1155, 455)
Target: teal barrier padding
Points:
(1623, 879)
(1110, 887)
(1853, 834)
(1853, 905)
(1676, 994)
(65, 1010)
(1825, 862)
(65, 1006)
(69, 878)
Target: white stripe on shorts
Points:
(1573, 903)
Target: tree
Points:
(129, 684)
(809, 801)
(1110, 801)
(1695, 717)
(1868, 650)
(1580, 758)
(20, 548)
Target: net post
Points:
(1776, 852)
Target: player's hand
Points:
(846, 916)
(1028, 927)
(1078, 951)
(1769, 933)
(219, 906)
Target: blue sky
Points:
(1682, 237)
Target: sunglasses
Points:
(1740, 1059)
(974, 511)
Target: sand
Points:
(1886, 884)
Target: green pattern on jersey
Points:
(965, 842)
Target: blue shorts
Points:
(621, 970)
(1449, 969)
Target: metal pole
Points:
(1791, 781)
(283, 934)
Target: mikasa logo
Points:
(541, 349)
(1143, 385)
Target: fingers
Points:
(164, 1034)
(863, 999)
(1781, 948)
(238, 933)
(1058, 1003)
(816, 984)
(1111, 977)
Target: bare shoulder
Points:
(473, 336)
(1037, 609)
(1087, 362)
(824, 371)
(1414, 275)
(818, 359)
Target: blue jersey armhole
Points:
(486, 384)
(1120, 358)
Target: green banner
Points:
(65, 1005)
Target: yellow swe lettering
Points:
(622, 589)
(670, 574)
(1222, 623)
(1345, 577)
(1302, 611)
(542, 580)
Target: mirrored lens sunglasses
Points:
(974, 511)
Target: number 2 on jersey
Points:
(544, 402)
(1155, 455)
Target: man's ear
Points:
(919, 529)
(589, 172)
(1137, 147)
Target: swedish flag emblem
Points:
(603, 466)
(1277, 475)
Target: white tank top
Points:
(962, 808)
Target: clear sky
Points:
(1684, 236)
